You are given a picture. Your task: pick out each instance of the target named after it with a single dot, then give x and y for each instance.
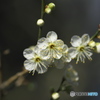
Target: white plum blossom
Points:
(51, 47)
(51, 51)
(71, 75)
(35, 61)
(81, 50)
(66, 58)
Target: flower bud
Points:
(91, 43)
(98, 47)
(55, 95)
(98, 36)
(48, 10)
(51, 5)
(40, 22)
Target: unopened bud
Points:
(98, 47)
(55, 95)
(98, 36)
(99, 27)
(40, 22)
(51, 5)
(48, 10)
(91, 43)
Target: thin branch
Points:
(62, 81)
(1, 92)
(12, 79)
(42, 15)
(96, 34)
(59, 89)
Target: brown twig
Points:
(12, 79)
(1, 92)
(97, 33)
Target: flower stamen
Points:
(51, 46)
(37, 59)
(81, 48)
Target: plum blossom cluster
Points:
(51, 51)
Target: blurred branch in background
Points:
(12, 79)
(0, 77)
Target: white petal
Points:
(32, 47)
(28, 53)
(37, 50)
(42, 43)
(67, 58)
(47, 62)
(59, 43)
(85, 39)
(29, 65)
(56, 53)
(41, 40)
(41, 68)
(72, 52)
(76, 41)
(65, 48)
(45, 54)
(52, 36)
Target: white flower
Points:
(80, 48)
(66, 58)
(35, 61)
(71, 75)
(66, 54)
(51, 47)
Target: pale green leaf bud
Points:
(98, 47)
(48, 10)
(91, 43)
(51, 5)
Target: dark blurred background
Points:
(19, 31)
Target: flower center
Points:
(81, 48)
(37, 59)
(52, 46)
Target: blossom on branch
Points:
(51, 47)
(80, 48)
(35, 61)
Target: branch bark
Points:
(12, 79)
